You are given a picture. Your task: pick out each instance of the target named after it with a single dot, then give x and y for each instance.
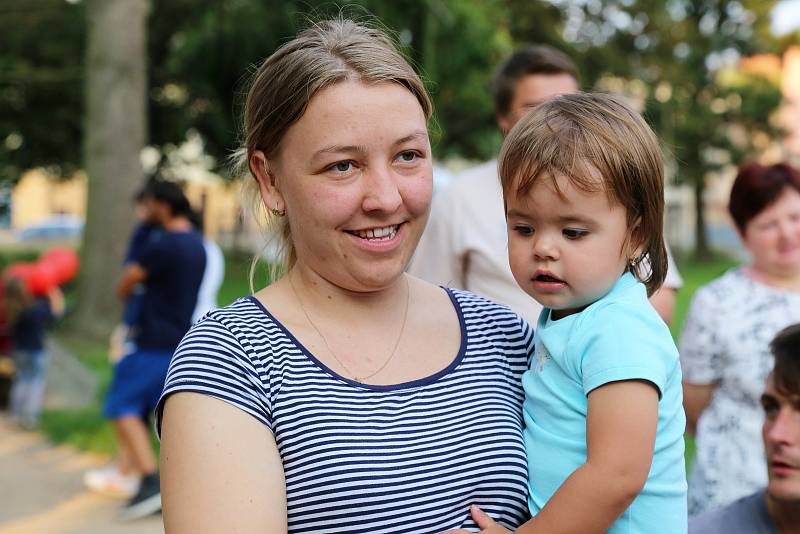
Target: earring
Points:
(276, 212)
(633, 261)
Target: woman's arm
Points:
(695, 399)
(221, 471)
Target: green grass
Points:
(695, 274)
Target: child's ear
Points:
(267, 182)
(636, 240)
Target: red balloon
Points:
(39, 277)
(18, 270)
(64, 262)
(42, 279)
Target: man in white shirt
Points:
(465, 244)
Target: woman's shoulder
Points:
(482, 306)
(482, 314)
(243, 325)
(732, 285)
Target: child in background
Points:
(29, 317)
(582, 178)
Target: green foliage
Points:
(41, 72)
(201, 54)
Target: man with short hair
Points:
(170, 267)
(465, 244)
(775, 509)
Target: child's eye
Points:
(574, 233)
(523, 230)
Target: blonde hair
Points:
(579, 135)
(326, 53)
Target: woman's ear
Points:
(267, 182)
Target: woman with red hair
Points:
(724, 347)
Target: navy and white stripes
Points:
(358, 458)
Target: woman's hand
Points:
(484, 522)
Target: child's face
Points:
(566, 250)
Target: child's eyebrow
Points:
(518, 214)
(577, 218)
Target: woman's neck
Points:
(326, 297)
(774, 279)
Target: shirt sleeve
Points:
(439, 258)
(673, 280)
(626, 346)
(154, 255)
(702, 345)
(210, 360)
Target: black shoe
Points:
(147, 500)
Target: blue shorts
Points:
(136, 385)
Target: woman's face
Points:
(354, 174)
(773, 236)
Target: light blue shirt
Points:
(619, 337)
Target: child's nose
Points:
(545, 248)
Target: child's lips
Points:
(547, 281)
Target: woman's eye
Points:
(574, 233)
(523, 230)
(408, 156)
(342, 166)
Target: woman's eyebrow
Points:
(338, 149)
(421, 135)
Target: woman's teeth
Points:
(381, 234)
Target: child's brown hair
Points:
(581, 134)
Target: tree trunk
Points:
(116, 125)
(701, 247)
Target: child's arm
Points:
(620, 437)
(56, 300)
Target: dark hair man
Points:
(465, 242)
(776, 508)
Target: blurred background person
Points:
(725, 341)
(171, 267)
(465, 244)
(29, 316)
(119, 478)
(775, 508)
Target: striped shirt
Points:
(409, 457)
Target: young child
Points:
(28, 317)
(582, 178)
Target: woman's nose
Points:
(382, 191)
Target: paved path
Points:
(41, 490)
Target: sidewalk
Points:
(42, 491)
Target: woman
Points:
(346, 396)
(725, 342)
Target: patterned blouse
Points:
(725, 341)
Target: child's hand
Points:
(484, 522)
